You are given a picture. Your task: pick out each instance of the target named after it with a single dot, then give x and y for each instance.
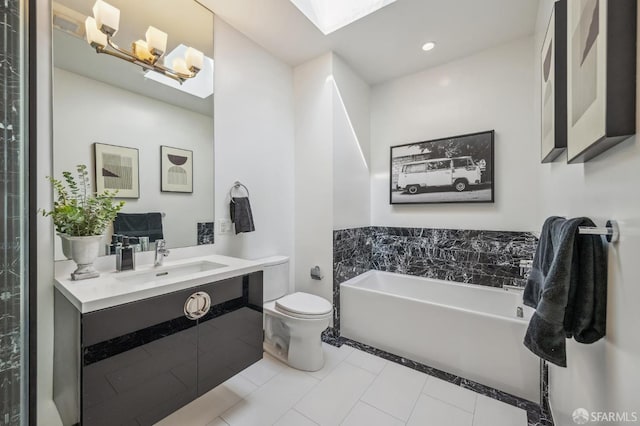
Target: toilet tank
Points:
(276, 277)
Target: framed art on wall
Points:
(554, 85)
(176, 166)
(601, 53)
(459, 169)
(117, 169)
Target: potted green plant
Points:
(81, 217)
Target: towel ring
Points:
(237, 185)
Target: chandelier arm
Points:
(129, 57)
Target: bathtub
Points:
(468, 330)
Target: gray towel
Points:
(240, 210)
(567, 287)
(139, 225)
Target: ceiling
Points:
(385, 44)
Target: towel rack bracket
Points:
(614, 231)
(611, 231)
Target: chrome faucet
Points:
(161, 252)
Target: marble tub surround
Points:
(352, 254)
(110, 290)
(488, 258)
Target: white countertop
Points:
(108, 290)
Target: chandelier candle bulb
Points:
(95, 37)
(180, 66)
(156, 41)
(194, 59)
(107, 17)
(141, 50)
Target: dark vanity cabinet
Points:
(136, 363)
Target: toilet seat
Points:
(303, 305)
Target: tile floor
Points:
(353, 389)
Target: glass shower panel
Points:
(13, 216)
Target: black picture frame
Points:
(481, 190)
(601, 105)
(167, 152)
(553, 67)
(102, 148)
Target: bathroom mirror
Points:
(138, 130)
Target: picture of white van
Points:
(457, 169)
(457, 172)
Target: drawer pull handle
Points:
(197, 305)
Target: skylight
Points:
(331, 15)
(200, 86)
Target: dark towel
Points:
(567, 287)
(139, 225)
(241, 215)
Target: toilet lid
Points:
(304, 304)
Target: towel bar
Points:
(611, 231)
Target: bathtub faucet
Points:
(525, 268)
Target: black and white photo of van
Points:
(458, 169)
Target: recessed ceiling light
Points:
(428, 46)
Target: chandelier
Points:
(104, 24)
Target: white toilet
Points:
(293, 322)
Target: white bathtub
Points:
(468, 330)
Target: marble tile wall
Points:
(205, 233)
(11, 214)
(489, 258)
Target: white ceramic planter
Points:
(84, 251)
(66, 246)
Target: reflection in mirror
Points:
(145, 134)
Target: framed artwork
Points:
(117, 169)
(601, 52)
(554, 85)
(176, 166)
(458, 169)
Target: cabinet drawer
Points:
(121, 320)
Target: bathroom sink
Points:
(170, 272)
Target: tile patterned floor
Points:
(353, 389)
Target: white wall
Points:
(87, 111)
(351, 148)
(254, 143)
(314, 174)
(489, 90)
(332, 154)
(604, 376)
(46, 410)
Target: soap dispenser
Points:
(125, 256)
(111, 248)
